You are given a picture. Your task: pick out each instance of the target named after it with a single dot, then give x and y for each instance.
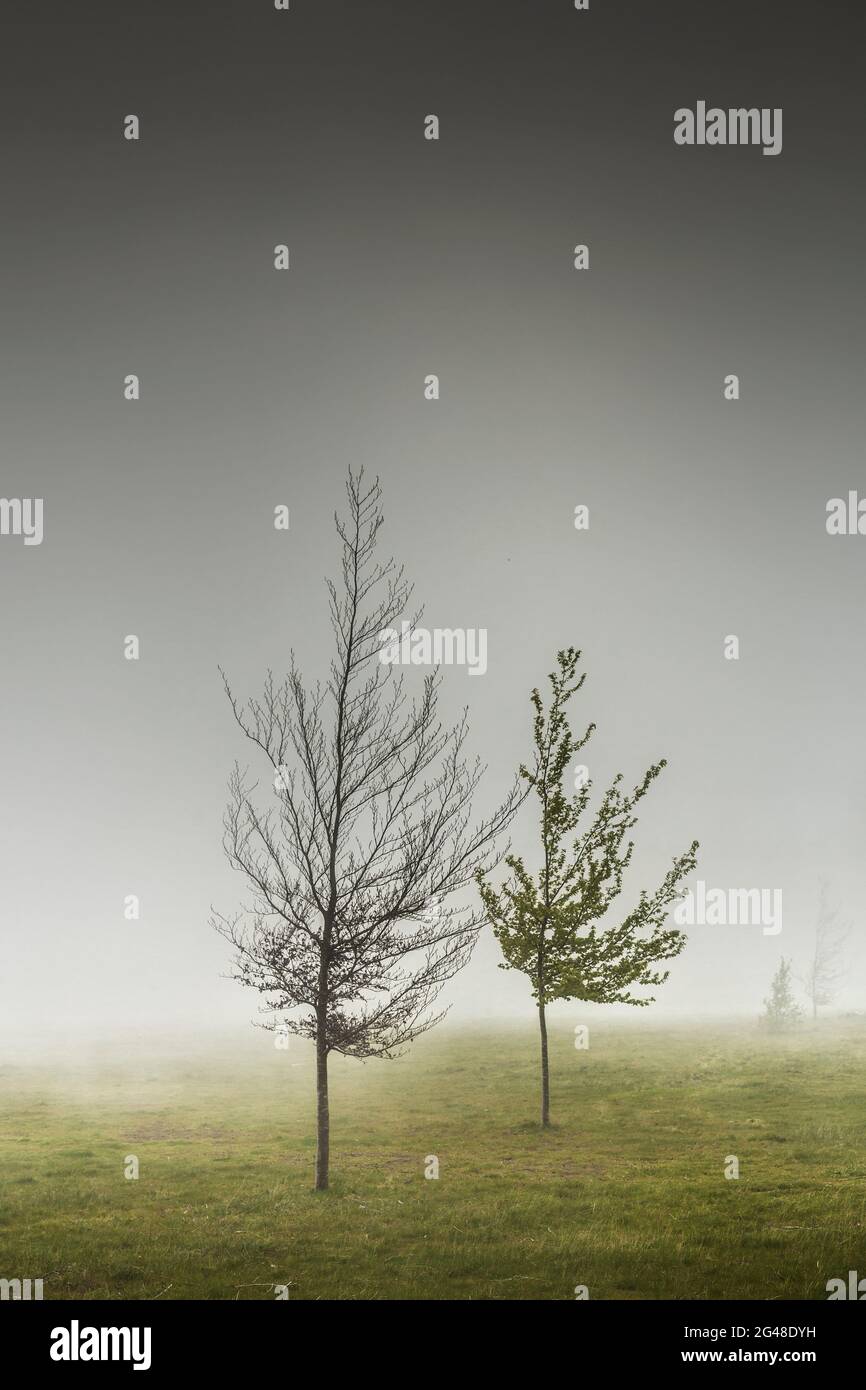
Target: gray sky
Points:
(558, 387)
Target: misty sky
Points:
(558, 387)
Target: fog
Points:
(559, 389)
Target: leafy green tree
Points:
(781, 1010)
(548, 924)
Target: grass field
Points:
(626, 1194)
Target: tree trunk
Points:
(545, 1068)
(323, 1120)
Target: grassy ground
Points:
(626, 1194)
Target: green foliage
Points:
(548, 924)
(781, 1010)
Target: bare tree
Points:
(826, 967)
(347, 934)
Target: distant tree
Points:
(781, 1010)
(347, 934)
(547, 924)
(826, 968)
